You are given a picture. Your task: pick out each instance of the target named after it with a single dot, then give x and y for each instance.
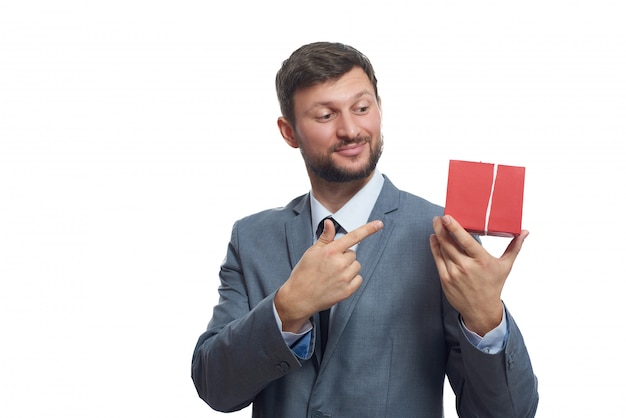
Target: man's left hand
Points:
(471, 278)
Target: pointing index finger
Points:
(354, 237)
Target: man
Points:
(411, 295)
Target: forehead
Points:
(351, 86)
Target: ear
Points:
(286, 130)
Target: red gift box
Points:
(486, 199)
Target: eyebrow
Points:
(358, 95)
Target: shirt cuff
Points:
(300, 341)
(492, 342)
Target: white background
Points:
(134, 133)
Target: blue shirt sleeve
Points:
(492, 342)
(302, 347)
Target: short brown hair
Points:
(316, 63)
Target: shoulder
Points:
(411, 200)
(279, 215)
(406, 203)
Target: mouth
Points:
(351, 150)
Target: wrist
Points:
(485, 321)
(292, 320)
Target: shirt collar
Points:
(356, 211)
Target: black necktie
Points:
(320, 226)
(325, 314)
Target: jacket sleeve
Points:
(493, 385)
(242, 350)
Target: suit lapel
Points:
(369, 253)
(297, 240)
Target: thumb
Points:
(328, 235)
(515, 246)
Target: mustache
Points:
(356, 141)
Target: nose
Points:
(348, 127)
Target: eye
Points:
(362, 109)
(323, 117)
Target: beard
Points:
(323, 166)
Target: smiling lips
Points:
(351, 150)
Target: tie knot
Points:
(320, 226)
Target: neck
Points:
(334, 195)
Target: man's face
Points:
(338, 127)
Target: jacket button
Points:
(511, 361)
(282, 367)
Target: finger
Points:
(328, 235)
(515, 246)
(447, 247)
(354, 237)
(355, 283)
(463, 238)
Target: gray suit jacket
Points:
(391, 342)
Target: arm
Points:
(498, 385)
(242, 350)
(501, 384)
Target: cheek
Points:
(315, 138)
(373, 125)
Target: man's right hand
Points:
(327, 273)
